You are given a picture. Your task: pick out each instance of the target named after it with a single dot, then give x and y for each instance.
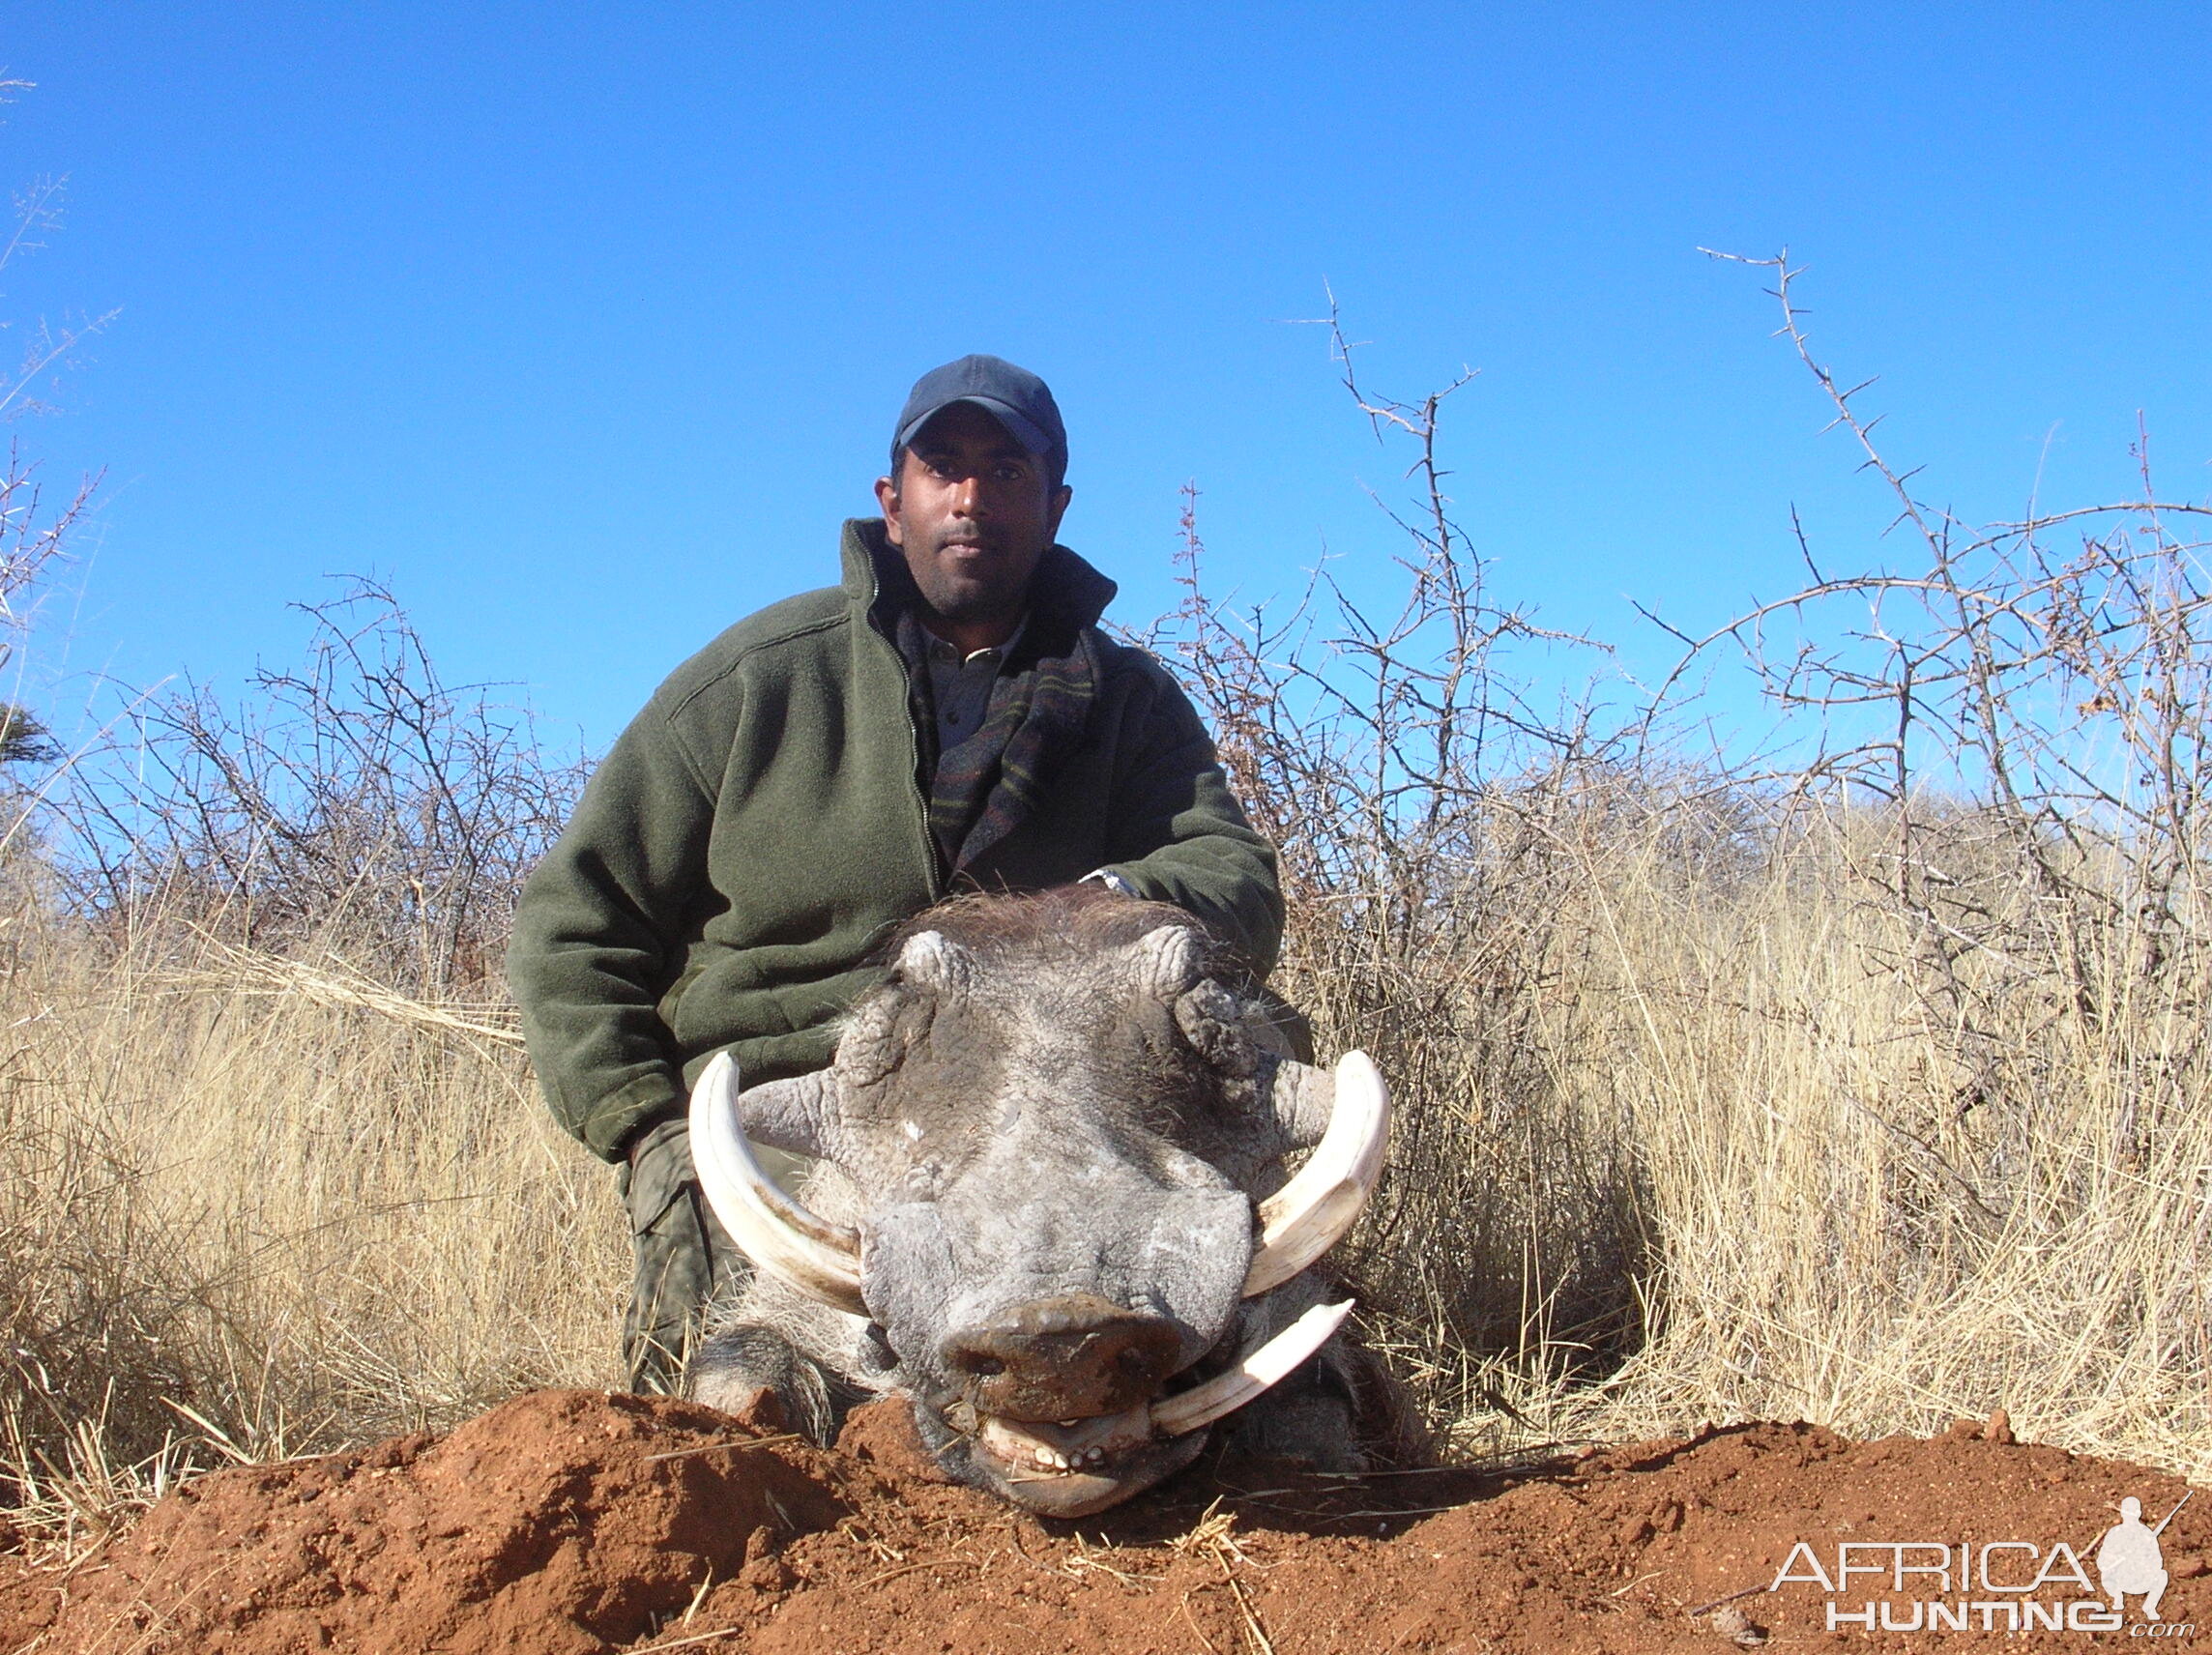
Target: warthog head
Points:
(1055, 1121)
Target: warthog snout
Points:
(1074, 1357)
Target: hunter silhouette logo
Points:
(1997, 1586)
(2129, 1561)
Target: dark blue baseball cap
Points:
(1012, 395)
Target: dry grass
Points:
(1845, 1239)
(1689, 1148)
(1735, 1168)
(240, 1218)
(1696, 1154)
(1863, 1088)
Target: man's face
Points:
(973, 512)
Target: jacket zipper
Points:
(929, 854)
(933, 874)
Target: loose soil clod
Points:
(574, 1522)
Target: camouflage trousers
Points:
(684, 1258)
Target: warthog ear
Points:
(799, 1114)
(1168, 959)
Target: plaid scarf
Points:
(985, 786)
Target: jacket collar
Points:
(1065, 587)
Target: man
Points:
(948, 718)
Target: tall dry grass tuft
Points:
(1735, 1087)
(275, 1176)
(241, 1216)
(1843, 1239)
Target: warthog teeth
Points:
(1053, 1460)
(1092, 1443)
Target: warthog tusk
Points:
(1309, 1215)
(820, 1258)
(1225, 1393)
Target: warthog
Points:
(1051, 1207)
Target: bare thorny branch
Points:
(33, 534)
(50, 347)
(1404, 721)
(356, 806)
(2031, 718)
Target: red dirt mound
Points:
(569, 1521)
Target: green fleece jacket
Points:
(760, 828)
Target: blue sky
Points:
(585, 326)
